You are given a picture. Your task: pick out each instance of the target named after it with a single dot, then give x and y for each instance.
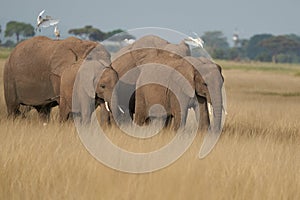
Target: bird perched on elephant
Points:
(37, 67)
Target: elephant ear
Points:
(67, 52)
(100, 54)
(183, 77)
(89, 74)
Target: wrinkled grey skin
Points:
(32, 73)
(214, 80)
(92, 81)
(93, 86)
(167, 87)
(133, 55)
(41, 72)
(202, 74)
(189, 85)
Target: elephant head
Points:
(210, 76)
(93, 86)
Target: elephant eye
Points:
(102, 86)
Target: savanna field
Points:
(257, 156)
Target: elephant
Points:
(134, 55)
(186, 83)
(199, 72)
(92, 83)
(38, 69)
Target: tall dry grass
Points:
(257, 156)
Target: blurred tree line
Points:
(94, 34)
(260, 47)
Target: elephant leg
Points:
(140, 110)
(64, 110)
(177, 121)
(44, 112)
(12, 103)
(180, 119)
(168, 121)
(13, 110)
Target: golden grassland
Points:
(257, 156)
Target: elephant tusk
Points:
(210, 112)
(225, 111)
(122, 111)
(106, 106)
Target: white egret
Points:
(45, 22)
(198, 42)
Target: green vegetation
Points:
(19, 29)
(91, 33)
(260, 47)
(4, 52)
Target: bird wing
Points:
(48, 22)
(193, 42)
(39, 16)
(41, 13)
(189, 42)
(53, 22)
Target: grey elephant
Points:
(181, 84)
(36, 69)
(142, 51)
(197, 71)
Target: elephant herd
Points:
(79, 75)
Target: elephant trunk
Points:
(216, 117)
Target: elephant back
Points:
(35, 49)
(181, 49)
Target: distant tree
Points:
(216, 44)
(257, 52)
(9, 43)
(88, 32)
(119, 35)
(293, 37)
(113, 32)
(18, 29)
(281, 45)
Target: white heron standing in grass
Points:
(198, 42)
(45, 22)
